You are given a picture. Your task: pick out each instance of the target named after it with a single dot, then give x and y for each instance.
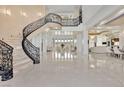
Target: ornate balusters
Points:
(33, 51)
(70, 22)
(6, 61)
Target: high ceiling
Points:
(94, 15)
(113, 22)
(14, 18)
(117, 22)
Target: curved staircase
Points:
(32, 51)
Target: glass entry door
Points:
(59, 45)
(64, 49)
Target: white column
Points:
(85, 41)
(82, 41)
(85, 56)
(79, 45)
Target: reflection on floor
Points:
(66, 56)
(96, 70)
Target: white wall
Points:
(18, 18)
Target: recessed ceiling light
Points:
(5, 11)
(8, 12)
(39, 14)
(23, 13)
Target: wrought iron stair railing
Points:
(33, 51)
(6, 61)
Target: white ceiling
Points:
(90, 11)
(94, 14)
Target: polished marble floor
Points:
(94, 70)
